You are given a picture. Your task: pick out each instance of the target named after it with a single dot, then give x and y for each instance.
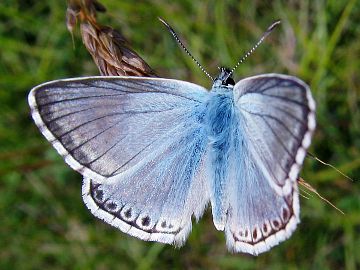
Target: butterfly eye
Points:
(229, 81)
(225, 77)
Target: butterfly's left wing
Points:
(140, 144)
(276, 116)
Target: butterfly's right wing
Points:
(140, 144)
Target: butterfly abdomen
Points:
(220, 120)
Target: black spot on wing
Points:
(115, 209)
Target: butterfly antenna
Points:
(266, 33)
(171, 30)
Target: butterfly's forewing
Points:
(276, 122)
(277, 114)
(104, 126)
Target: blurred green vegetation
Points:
(43, 221)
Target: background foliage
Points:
(43, 222)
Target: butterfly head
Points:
(224, 78)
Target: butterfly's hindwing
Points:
(155, 201)
(258, 218)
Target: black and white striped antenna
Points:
(171, 30)
(266, 33)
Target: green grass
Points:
(43, 222)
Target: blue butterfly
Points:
(154, 152)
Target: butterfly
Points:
(154, 152)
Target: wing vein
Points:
(109, 115)
(275, 119)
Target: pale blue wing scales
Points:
(258, 218)
(139, 142)
(276, 119)
(104, 126)
(277, 114)
(155, 201)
